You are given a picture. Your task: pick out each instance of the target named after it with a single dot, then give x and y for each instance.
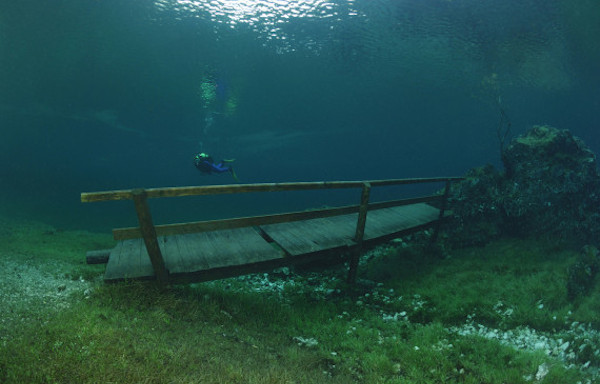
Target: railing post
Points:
(436, 228)
(149, 234)
(360, 231)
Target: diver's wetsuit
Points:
(207, 165)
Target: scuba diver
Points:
(207, 165)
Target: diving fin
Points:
(233, 174)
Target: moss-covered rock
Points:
(550, 186)
(544, 148)
(477, 197)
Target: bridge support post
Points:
(360, 231)
(149, 234)
(436, 229)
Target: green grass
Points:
(395, 326)
(524, 278)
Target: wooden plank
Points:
(97, 257)
(359, 232)
(285, 236)
(245, 246)
(312, 235)
(114, 261)
(87, 197)
(215, 225)
(125, 259)
(90, 197)
(392, 220)
(172, 253)
(129, 259)
(380, 224)
(345, 224)
(196, 258)
(221, 249)
(362, 213)
(323, 233)
(187, 254)
(254, 247)
(233, 251)
(420, 212)
(149, 235)
(218, 249)
(395, 203)
(259, 187)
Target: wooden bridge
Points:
(210, 250)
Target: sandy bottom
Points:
(39, 265)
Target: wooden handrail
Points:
(239, 222)
(149, 232)
(127, 194)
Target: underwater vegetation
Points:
(508, 295)
(480, 307)
(582, 274)
(118, 94)
(498, 313)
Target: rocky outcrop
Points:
(550, 187)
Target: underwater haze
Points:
(99, 95)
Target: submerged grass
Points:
(506, 284)
(413, 318)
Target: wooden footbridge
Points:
(210, 250)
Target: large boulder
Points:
(550, 187)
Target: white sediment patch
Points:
(570, 346)
(31, 293)
(576, 347)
